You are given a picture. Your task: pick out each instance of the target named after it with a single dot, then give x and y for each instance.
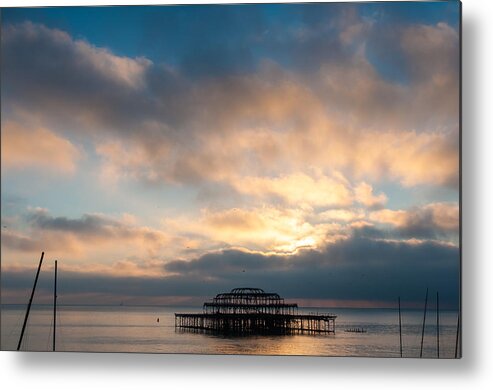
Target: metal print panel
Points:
(274, 179)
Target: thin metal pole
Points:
(400, 326)
(438, 327)
(457, 335)
(30, 302)
(54, 308)
(424, 320)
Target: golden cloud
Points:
(35, 147)
(299, 189)
(265, 229)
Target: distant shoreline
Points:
(48, 305)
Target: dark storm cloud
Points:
(357, 268)
(226, 262)
(418, 227)
(432, 221)
(423, 225)
(87, 224)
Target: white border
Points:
(136, 372)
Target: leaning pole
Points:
(30, 302)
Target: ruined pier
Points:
(253, 311)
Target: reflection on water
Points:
(136, 329)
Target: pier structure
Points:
(253, 311)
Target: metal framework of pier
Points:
(253, 311)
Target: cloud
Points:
(49, 74)
(159, 124)
(285, 231)
(299, 189)
(314, 190)
(432, 220)
(91, 238)
(52, 44)
(226, 262)
(412, 158)
(356, 268)
(433, 52)
(265, 229)
(341, 215)
(364, 195)
(37, 147)
(88, 225)
(23, 243)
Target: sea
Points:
(151, 329)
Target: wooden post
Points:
(457, 335)
(438, 328)
(54, 309)
(30, 302)
(400, 326)
(424, 320)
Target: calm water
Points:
(135, 329)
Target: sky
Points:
(164, 154)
